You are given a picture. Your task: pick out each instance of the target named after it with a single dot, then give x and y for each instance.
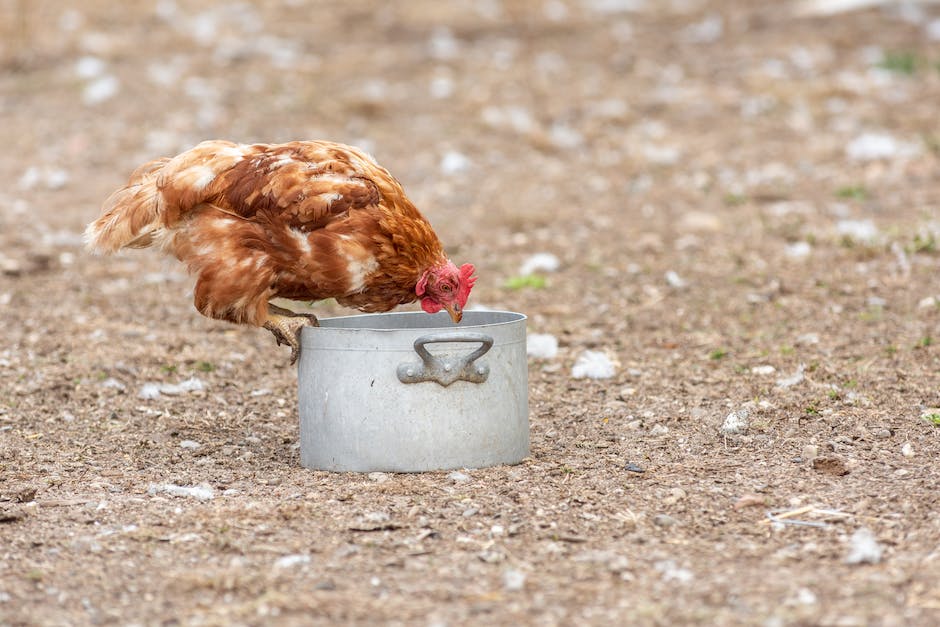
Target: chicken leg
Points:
(286, 326)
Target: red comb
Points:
(467, 280)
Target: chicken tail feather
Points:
(131, 215)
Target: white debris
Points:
(873, 146)
(907, 450)
(101, 89)
(864, 548)
(378, 477)
(541, 346)
(933, 29)
(594, 365)
(458, 477)
(152, 390)
(611, 7)
(443, 45)
(513, 580)
(259, 392)
(764, 370)
(442, 87)
(798, 250)
(671, 572)
(539, 262)
(794, 379)
(191, 445)
(292, 561)
(736, 422)
(89, 67)
(859, 230)
(707, 31)
(113, 384)
(50, 178)
(564, 136)
(203, 492)
(674, 280)
(928, 302)
(454, 162)
(807, 339)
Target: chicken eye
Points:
(446, 287)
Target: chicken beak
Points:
(456, 313)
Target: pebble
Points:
(539, 262)
(736, 423)
(858, 230)
(594, 365)
(458, 477)
(674, 280)
(810, 452)
(454, 162)
(631, 467)
(928, 303)
(541, 346)
(100, 89)
(864, 548)
(665, 520)
(113, 384)
(794, 379)
(798, 250)
(190, 445)
(874, 146)
(202, 492)
(152, 390)
(764, 370)
(378, 477)
(907, 450)
(291, 561)
(658, 430)
(513, 580)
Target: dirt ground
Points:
(744, 203)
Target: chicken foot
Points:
(286, 326)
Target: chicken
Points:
(305, 220)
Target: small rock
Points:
(191, 445)
(201, 492)
(671, 572)
(834, 466)
(541, 346)
(378, 477)
(539, 262)
(659, 430)
(907, 450)
(113, 384)
(664, 520)
(736, 423)
(513, 580)
(458, 477)
(873, 146)
(798, 250)
(810, 452)
(807, 339)
(101, 89)
(292, 561)
(794, 379)
(882, 433)
(674, 280)
(928, 302)
(594, 365)
(763, 371)
(454, 162)
(864, 548)
(470, 511)
(149, 391)
(631, 467)
(858, 230)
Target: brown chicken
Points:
(306, 220)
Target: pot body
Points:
(411, 392)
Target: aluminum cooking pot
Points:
(410, 392)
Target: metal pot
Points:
(409, 392)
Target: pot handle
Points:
(446, 369)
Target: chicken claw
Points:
(286, 326)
